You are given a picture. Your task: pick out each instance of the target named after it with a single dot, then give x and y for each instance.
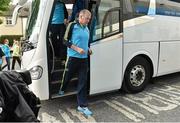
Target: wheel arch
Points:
(148, 60)
(144, 55)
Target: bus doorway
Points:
(56, 65)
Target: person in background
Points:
(58, 27)
(2, 58)
(6, 50)
(77, 60)
(77, 7)
(16, 54)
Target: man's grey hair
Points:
(84, 12)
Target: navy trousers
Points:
(80, 66)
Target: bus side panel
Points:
(133, 49)
(169, 57)
(152, 29)
(139, 39)
(158, 30)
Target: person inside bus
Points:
(58, 27)
(77, 60)
(77, 7)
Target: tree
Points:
(4, 4)
(1, 21)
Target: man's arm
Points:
(77, 49)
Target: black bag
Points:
(19, 103)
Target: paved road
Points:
(159, 102)
(17, 67)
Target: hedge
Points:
(10, 38)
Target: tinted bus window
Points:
(168, 7)
(105, 20)
(135, 8)
(141, 7)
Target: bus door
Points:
(107, 46)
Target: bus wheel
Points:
(137, 75)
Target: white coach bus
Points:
(132, 41)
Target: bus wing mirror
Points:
(22, 2)
(15, 14)
(19, 2)
(19, 5)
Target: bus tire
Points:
(137, 75)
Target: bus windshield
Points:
(33, 17)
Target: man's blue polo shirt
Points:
(80, 38)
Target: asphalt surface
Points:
(159, 102)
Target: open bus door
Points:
(107, 47)
(57, 65)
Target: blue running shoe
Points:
(61, 93)
(84, 110)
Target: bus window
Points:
(105, 17)
(135, 8)
(168, 7)
(33, 17)
(141, 7)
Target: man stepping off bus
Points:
(77, 59)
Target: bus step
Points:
(65, 94)
(55, 82)
(58, 64)
(59, 81)
(55, 86)
(57, 74)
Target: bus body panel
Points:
(132, 50)
(27, 58)
(106, 74)
(169, 59)
(157, 28)
(39, 58)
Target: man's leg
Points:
(82, 84)
(82, 89)
(69, 71)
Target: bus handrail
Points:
(50, 41)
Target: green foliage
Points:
(10, 38)
(4, 4)
(1, 21)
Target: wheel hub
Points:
(137, 75)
